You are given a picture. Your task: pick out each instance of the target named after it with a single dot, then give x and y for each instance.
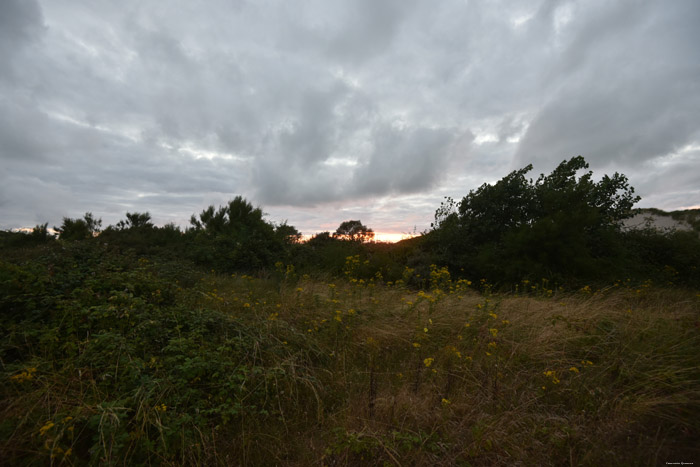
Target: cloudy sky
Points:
(321, 111)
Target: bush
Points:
(235, 237)
(559, 226)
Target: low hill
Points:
(682, 220)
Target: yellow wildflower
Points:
(26, 375)
(47, 426)
(493, 331)
(553, 375)
(428, 361)
(416, 345)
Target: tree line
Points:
(564, 227)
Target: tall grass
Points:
(109, 359)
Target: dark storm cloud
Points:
(335, 108)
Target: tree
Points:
(237, 215)
(135, 220)
(288, 233)
(40, 233)
(354, 231)
(79, 229)
(561, 225)
(235, 237)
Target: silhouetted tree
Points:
(354, 231)
(288, 233)
(40, 233)
(235, 236)
(135, 220)
(79, 229)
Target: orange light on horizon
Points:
(387, 237)
(390, 237)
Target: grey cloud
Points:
(652, 180)
(129, 105)
(368, 28)
(628, 124)
(624, 95)
(21, 24)
(404, 161)
(20, 20)
(511, 126)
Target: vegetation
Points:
(354, 231)
(79, 229)
(233, 343)
(560, 226)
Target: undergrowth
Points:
(113, 359)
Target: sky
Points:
(322, 111)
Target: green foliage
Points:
(236, 237)
(145, 374)
(559, 226)
(323, 253)
(39, 235)
(139, 235)
(671, 258)
(112, 358)
(79, 229)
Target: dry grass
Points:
(372, 374)
(603, 379)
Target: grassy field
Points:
(116, 359)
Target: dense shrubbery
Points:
(563, 227)
(236, 237)
(146, 345)
(671, 258)
(112, 358)
(134, 369)
(559, 226)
